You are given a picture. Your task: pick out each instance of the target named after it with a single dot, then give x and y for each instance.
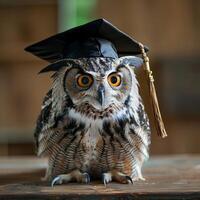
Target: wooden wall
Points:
(169, 28)
(22, 23)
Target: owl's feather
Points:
(44, 116)
(78, 135)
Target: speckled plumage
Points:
(77, 134)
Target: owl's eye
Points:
(114, 79)
(84, 80)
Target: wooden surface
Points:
(167, 177)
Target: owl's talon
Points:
(106, 178)
(105, 183)
(116, 176)
(57, 180)
(74, 176)
(129, 179)
(86, 177)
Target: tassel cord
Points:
(156, 110)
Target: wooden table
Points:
(167, 177)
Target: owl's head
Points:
(98, 84)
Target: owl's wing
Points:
(140, 127)
(143, 118)
(139, 131)
(44, 116)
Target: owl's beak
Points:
(101, 94)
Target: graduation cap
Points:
(98, 38)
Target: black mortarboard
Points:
(98, 38)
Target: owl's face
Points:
(99, 83)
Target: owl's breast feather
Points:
(90, 140)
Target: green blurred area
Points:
(75, 12)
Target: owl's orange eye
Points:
(114, 79)
(84, 80)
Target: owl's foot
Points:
(74, 176)
(117, 176)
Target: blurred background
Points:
(171, 29)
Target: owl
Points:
(92, 125)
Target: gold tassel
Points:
(156, 111)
